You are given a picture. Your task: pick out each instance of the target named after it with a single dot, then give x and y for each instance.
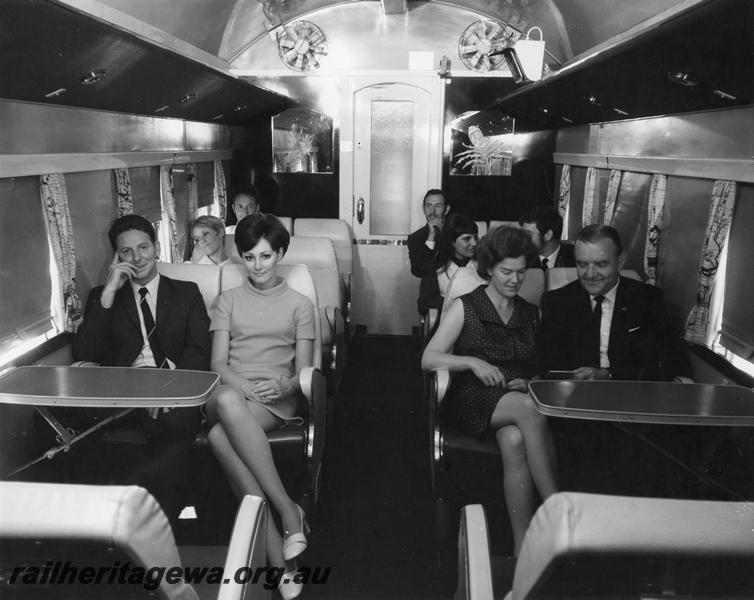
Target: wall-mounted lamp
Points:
(56, 93)
(444, 70)
(514, 65)
(162, 108)
(724, 95)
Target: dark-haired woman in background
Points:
(456, 249)
(488, 339)
(263, 337)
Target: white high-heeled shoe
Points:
(288, 588)
(295, 543)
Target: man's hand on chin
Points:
(590, 373)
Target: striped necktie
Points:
(149, 325)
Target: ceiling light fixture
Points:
(724, 95)
(188, 98)
(217, 117)
(162, 108)
(593, 100)
(622, 113)
(239, 108)
(682, 78)
(56, 93)
(93, 76)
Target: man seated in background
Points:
(140, 318)
(546, 226)
(422, 243)
(604, 326)
(246, 201)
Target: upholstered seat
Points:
(71, 533)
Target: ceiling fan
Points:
(301, 44)
(481, 45)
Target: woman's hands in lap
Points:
(267, 391)
(486, 373)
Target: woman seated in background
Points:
(263, 335)
(456, 249)
(208, 241)
(487, 337)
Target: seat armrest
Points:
(442, 382)
(247, 549)
(314, 388)
(474, 568)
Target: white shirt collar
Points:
(152, 286)
(609, 294)
(551, 258)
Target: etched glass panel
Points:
(391, 152)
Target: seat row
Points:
(615, 547)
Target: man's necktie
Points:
(149, 325)
(545, 262)
(597, 327)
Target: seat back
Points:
(337, 231)
(298, 278)
(494, 224)
(588, 545)
(558, 277)
(88, 527)
(482, 228)
(318, 254)
(466, 280)
(207, 277)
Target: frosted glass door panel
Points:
(392, 153)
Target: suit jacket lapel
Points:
(129, 304)
(164, 298)
(618, 325)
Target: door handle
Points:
(360, 210)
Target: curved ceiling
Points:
(226, 28)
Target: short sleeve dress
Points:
(511, 347)
(264, 326)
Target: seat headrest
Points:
(206, 277)
(580, 545)
(314, 252)
(558, 277)
(54, 518)
(481, 228)
(335, 229)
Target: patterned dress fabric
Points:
(511, 347)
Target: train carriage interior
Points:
(339, 117)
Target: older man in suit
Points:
(604, 326)
(545, 225)
(140, 318)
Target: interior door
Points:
(396, 157)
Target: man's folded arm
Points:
(197, 346)
(89, 341)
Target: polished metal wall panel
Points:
(29, 128)
(710, 134)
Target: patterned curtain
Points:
(168, 209)
(590, 191)
(718, 225)
(612, 195)
(564, 197)
(656, 212)
(125, 198)
(220, 200)
(55, 201)
(193, 190)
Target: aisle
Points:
(373, 523)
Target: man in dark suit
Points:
(604, 326)
(546, 226)
(422, 243)
(140, 318)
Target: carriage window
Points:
(25, 278)
(733, 318)
(302, 142)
